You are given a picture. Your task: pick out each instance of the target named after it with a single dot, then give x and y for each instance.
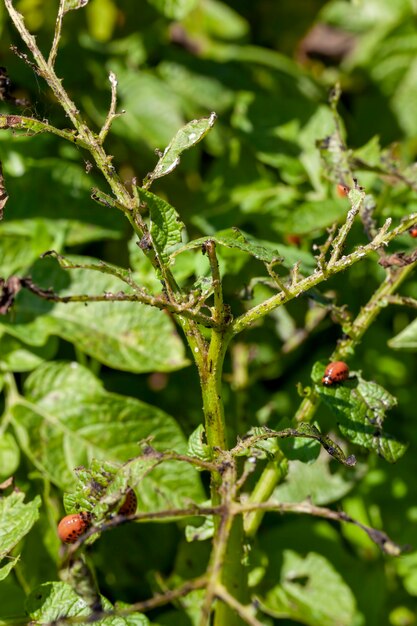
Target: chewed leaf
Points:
(235, 238)
(166, 226)
(71, 5)
(186, 137)
(360, 407)
(32, 125)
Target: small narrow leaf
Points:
(186, 137)
(72, 5)
(32, 125)
(166, 226)
(235, 238)
(6, 569)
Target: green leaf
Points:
(9, 455)
(310, 591)
(407, 570)
(207, 92)
(22, 243)
(6, 569)
(360, 407)
(186, 137)
(406, 339)
(16, 357)
(174, 9)
(155, 117)
(237, 239)
(197, 445)
(315, 482)
(16, 519)
(202, 532)
(67, 419)
(121, 335)
(165, 227)
(313, 216)
(54, 600)
(71, 5)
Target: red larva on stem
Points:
(342, 190)
(129, 504)
(413, 231)
(334, 373)
(73, 526)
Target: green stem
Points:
(360, 325)
(211, 387)
(308, 407)
(382, 238)
(234, 577)
(273, 474)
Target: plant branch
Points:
(141, 296)
(356, 330)
(307, 508)
(246, 613)
(357, 198)
(168, 597)
(32, 125)
(57, 34)
(218, 314)
(247, 319)
(111, 115)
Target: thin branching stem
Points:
(218, 313)
(359, 326)
(111, 115)
(158, 302)
(57, 34)
(246, 613)
(247, 319)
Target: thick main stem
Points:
(211, 387)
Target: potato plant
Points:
(193, 363)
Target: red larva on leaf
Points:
(342, 190)
(129, 504)
(73, 526)
(334, 373)
(413, 231)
